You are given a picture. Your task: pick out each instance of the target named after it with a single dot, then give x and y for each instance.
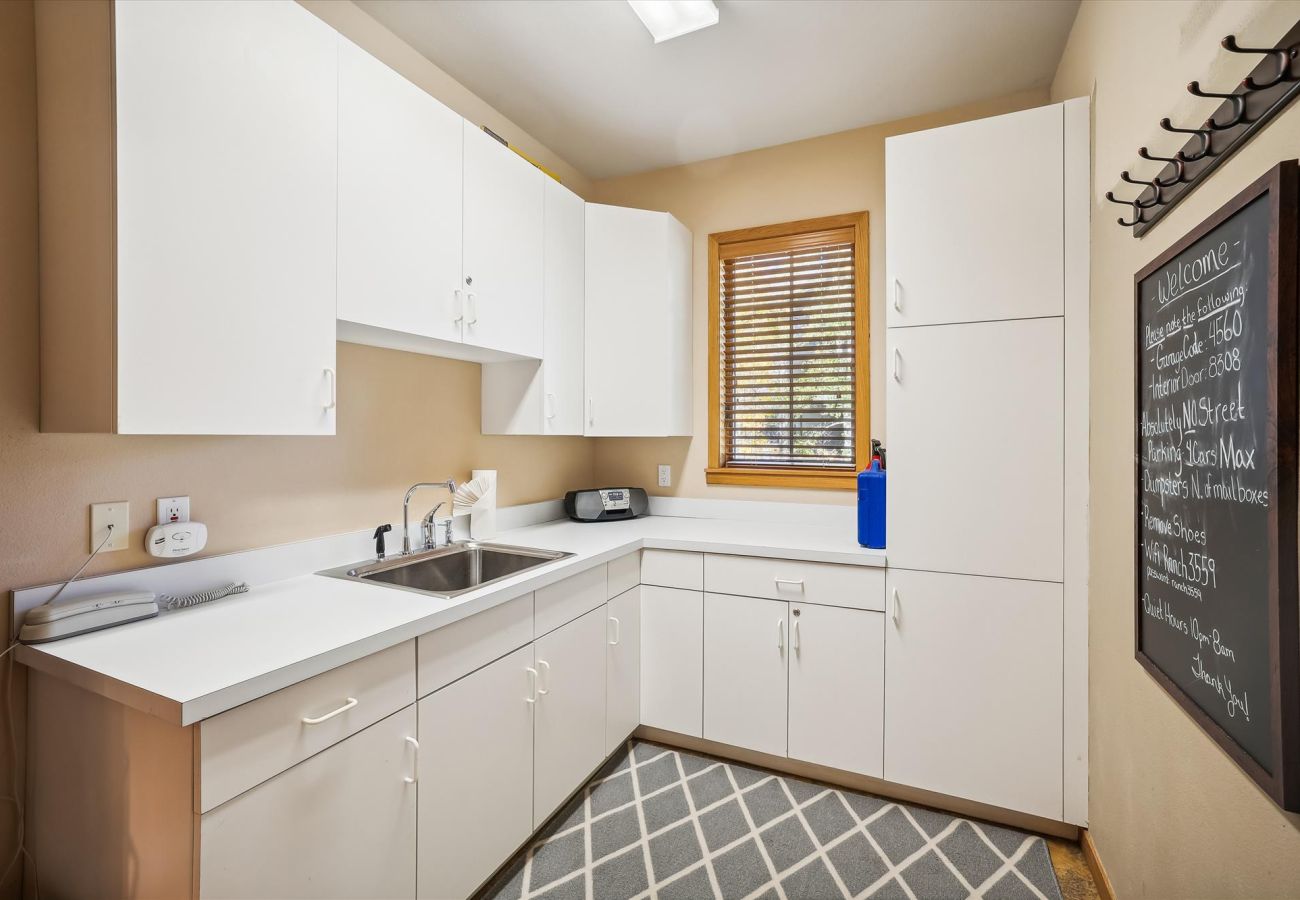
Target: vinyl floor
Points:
(657, 822)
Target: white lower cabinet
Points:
(745, 653)
(569, 729)
(476, 776)
(672, 659)
(973, 702)
(837, 687)
(339, 824)
(623, 668)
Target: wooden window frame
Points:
(716, 472)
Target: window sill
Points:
(793, 478)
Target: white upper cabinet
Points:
(226, 171)
(638, 341)
(399, 203)
(526, 397)
(976, 436)
(503, 247)
(974, 218)
(188, 170)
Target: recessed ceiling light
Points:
(667, 19)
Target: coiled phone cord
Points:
(183, 601)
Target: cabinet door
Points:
(339, 824)
(973, 689)
(226, 124)
(570, 732)
(837, 687)
(503, 247)
(745, 642)
(476, 775)
(672, 659)
(976, 437)
(565, 293)
(528, 397)
(975, 218)
(399, 201)
(638, 323)
(623, 668)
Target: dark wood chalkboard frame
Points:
(1282, 186)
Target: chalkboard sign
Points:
(1216, 437)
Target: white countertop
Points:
(188, 665)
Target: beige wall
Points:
(822, 176)
(1171, 815)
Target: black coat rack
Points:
(1266, 91)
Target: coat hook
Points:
(1200, 133)
(1155, 186)
(1237, 102)
(1137, 211)
(1175, 161)
(1281, 55)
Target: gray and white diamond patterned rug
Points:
(662, 823)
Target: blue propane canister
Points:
(871, 506)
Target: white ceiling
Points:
(585, 78)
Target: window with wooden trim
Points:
(788, 354)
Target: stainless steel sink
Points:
(449, 571)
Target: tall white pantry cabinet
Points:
(987, 412)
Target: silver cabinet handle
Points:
(334, 391)
(352, 701)
(591, 411)
(618, 631)
(532, 685)
(795, 636)
(791, 582)
(415, 763)
(460, 306)
(780, 634)
(898, 298)
(893, 605)
(546, 670)
(898, 358)
(472, 300)
(550, 406)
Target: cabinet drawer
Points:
(565, 600)
(857, 587)
(624, 574)
(460, 648)
(251, 743)
(673, 568)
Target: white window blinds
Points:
(788, 338)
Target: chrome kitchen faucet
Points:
(450, 485)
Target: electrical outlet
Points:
(665, 476)
(117, 514)
(173, 509)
